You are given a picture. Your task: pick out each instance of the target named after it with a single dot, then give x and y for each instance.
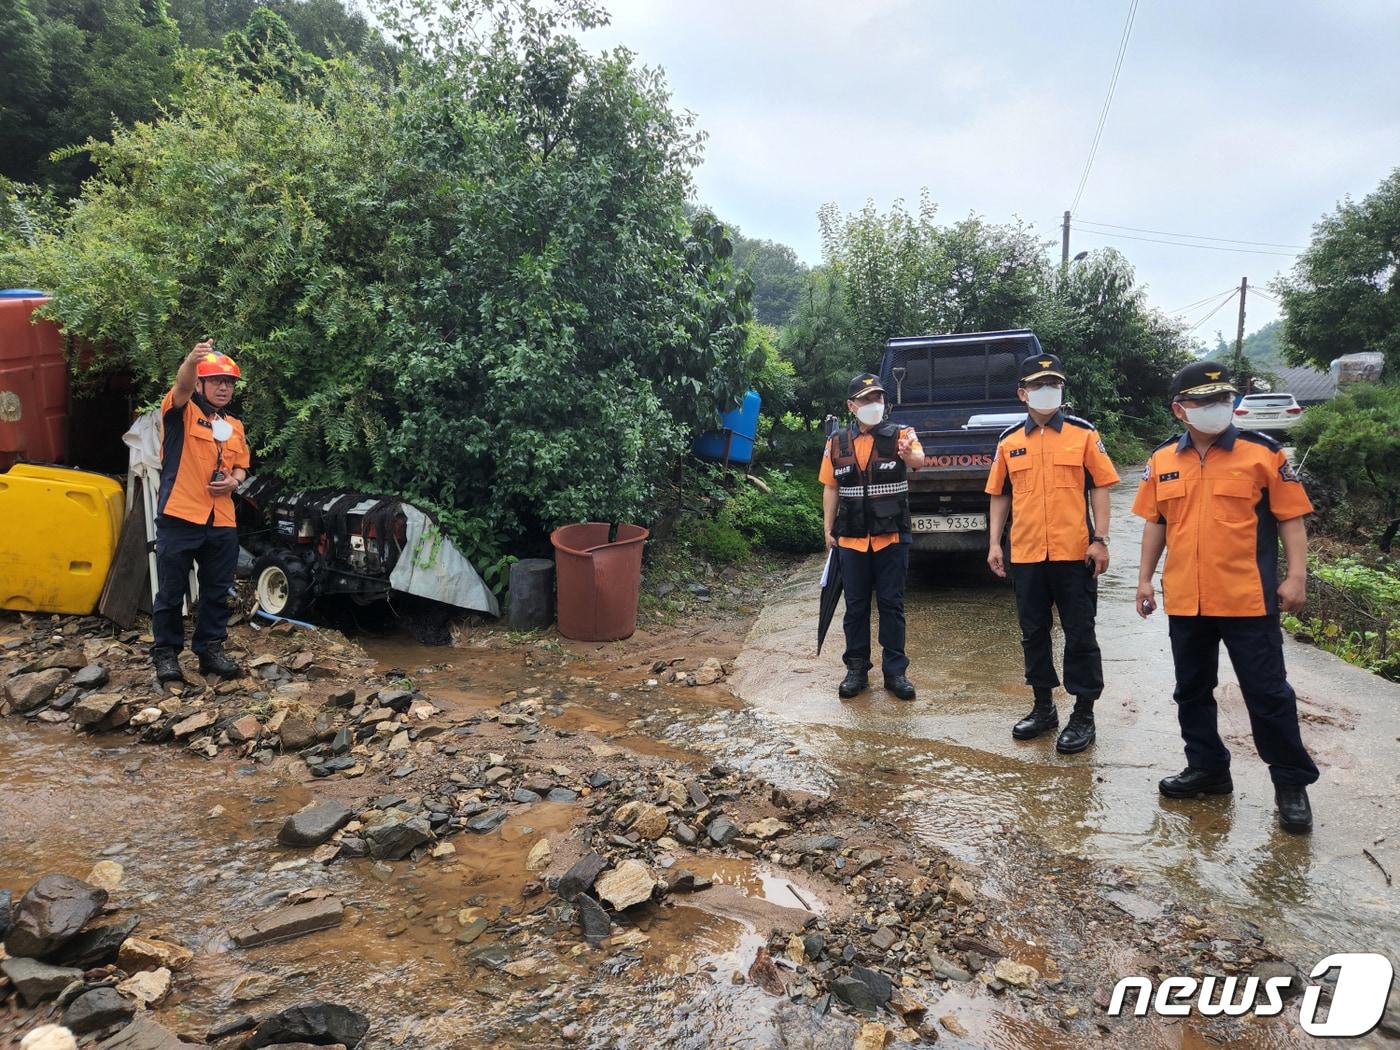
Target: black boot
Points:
(1043, 717)
(900, 686)
(1294, 813)
(1079, 730)
(856, 681)
(214, 661)
(167, 665)
(1197, 783)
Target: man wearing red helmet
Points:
(204, 457)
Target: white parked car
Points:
(1267, 412)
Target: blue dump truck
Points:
(959, 393)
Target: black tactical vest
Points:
(873, 501)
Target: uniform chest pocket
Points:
(1022, 476)
(1233, 499)
(1169, 496)
(1069, 470)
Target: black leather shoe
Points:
(1197, 783)
(900, 686)
(1078, 733)
(1043, 717)
(214, 661)
(854, 682)
(167, 666)
(1294, 813)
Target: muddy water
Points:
(948, 765)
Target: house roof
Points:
(1306, 384)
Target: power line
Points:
(1199, 302)
(1217, 309)
(1108, 101)
(1193, 236)
(1264, 295)
(1187, 244)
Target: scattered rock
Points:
(767, 828)
(138, 953)
(318, 1023)
(98, 1009)
(36, 981)
(253, 986)
(314, 823)
(145, 1034)
(884, 939)
(93, 676)
(148, 986)
(28, 692)
(947, 969)
(1014, 973)
(195, 723)
(487, 822)
(764, 973)
(395, 833)
(96, 946)
(1279, 968)
(51, 913)
(105, 875)
(49, 1037)
(721, 830)
(244, 729)
(540, 855)
(93, 709)
(950, 1022)
(872, 1036)
(959, 889)
(879, 985)
(292, 921)
(296, 732)
(581, 876)
(594, 921)
(631, 882)
(855, 993)
(645, 819)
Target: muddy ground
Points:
(1000, 889)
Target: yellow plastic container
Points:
(58, 534)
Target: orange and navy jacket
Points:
(864, 447)
(1222, 513)
(188, 456)
(1049, 471)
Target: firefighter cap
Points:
(1202, 379)
(862, 385)
(1038, 366)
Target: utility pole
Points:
(1239, 333)
(1064, 242)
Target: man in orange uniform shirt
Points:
(1219, 500)
(865, 507)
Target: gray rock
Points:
(561, 794)
(36, 981)
(4, 913)
(98, 1009)
(1279, 968)
(593, 919)
(855, 993)
(343, 741)
(51, 913)
(321, 1024)
(93, 676)
(880, 986)
(395, 833)
(397, 699)
(722, 831)
(524, 796)
(313, 824)
(686, 835)
(698, 798)
(581, 876)
(28, 692)
(599, 780)
(946, 969)
(145, 1034)
(93, 709)
(280, 924)
(64, 700)
(817, 843)
(96, 946)
(485, 822)
(813, 944)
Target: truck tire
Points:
(283, 584)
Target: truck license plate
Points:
(949, 522)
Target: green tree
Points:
(266, 51)
(777, 273)
(815, 342)
(1344, 293)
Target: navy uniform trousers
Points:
(1069, 586)
(882, 573)
(1255, 645)
(179, 544)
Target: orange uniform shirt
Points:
(188, 455)
(864, 446)
(1049, 470)
(1221, 513)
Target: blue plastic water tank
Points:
(738, 427)
(22, 293)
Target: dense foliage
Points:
(476, 288)
(1344, 293)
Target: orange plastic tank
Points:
(33, 383)
(598, 582)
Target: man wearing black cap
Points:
(1219, 500)
(865, 506)
(1051, 474)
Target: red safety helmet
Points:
(213, 364)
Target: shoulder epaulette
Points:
(1077, 421)
(1273, 444)
(1007, 432)
(1170, 441)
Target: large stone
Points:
(241, 730)
(145, 1034)
(631, 882)
(98, 1009)
(106, 875)
(540, 855)
(149, 987)
(280, 924)
(855, 993)
(138, 953)
(1018, 974)
(36, 981)
(93, 709)
(321, 1024)
(297, 732)
(722, 830)
(646, 820)
(313, 824)
(947, 969)
(49, 1037)
(27, 692)
(395, 833)
(51, 913)
(595, 922)
(581, 876)
(96, 946)
(880, 986)
(93, 676)
(195, 723)
(767, 828)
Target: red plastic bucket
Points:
(598, 581)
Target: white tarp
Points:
(143, 439)
(431, 567)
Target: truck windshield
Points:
(951, 374)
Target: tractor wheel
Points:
(283, 584)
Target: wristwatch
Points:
(1099, 539)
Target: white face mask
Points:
(1210, 419)
(871, 413)
(1045, 398)
(222, 428)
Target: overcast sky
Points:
(1244, 120)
